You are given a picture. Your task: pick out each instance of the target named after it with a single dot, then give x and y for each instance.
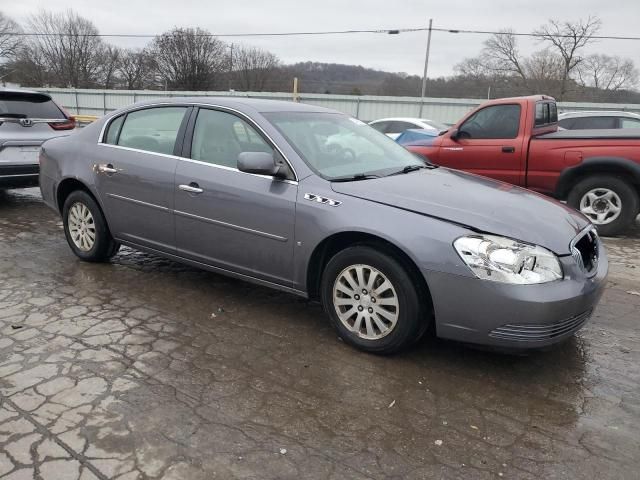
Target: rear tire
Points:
(372, 300)
(86, 229)
(609, 202)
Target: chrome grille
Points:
(539, 333)
(584, 250)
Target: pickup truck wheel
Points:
(609, 202)
(372, 301)
(86, 228)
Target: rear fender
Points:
(623, 167)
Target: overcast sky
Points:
(396, 53)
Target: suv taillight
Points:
(68, 124)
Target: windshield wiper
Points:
(355, 178)
(409, 169)
(12, 115)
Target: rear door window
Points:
(152, 129)
(380, 126)
(629, 123)
(26, 105)
(399, 127)
(595, 123)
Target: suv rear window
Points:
(28, 105)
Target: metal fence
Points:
(364, 107)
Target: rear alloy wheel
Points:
(609, 202)
(372, 300)
(86, 228)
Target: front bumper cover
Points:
(472, 310)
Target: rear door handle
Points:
(108, 168)
(508, 149)
(193, 187)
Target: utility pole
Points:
(426, 67)
(230, 64)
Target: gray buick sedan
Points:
(316, 203)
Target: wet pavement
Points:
(144, 369)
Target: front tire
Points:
(86, 228)
(609, 202)
(372, 300)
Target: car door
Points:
(135, 171)
(230, 219)
(489, 143)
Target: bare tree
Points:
(544, 70)
(9, 42)
(472, 67)
(502, 56)
(252, 67)
(568, 39)
(189, 59)
(110, 57)
(135, 69)
(68, 46)
(607, 73)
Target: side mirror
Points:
(261, 163)
(454, 134)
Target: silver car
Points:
(390, 245)
(27, 119)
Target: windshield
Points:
(337, 146)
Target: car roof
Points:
(242, 103)
(595, 113)
(402, 119)
(21, 91)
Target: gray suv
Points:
(26, 120)
(392, 246)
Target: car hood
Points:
(476, 202)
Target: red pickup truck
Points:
(517, 140)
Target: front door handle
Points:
(106, 168)
(193, 187)
(508, 149)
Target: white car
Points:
(598, 120)
(393, 127)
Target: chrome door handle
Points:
(192, 188)
(102, 168)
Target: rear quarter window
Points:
(113, 130)
(152, 129)
(19, 105)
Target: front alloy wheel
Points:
(373, 300)
(365, 301)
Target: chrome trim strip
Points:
(138, 202)
(20, 175)
(231, 226)
(184, 159)
(188, 104)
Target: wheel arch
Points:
(337, 242)
(617, 166)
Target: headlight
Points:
(505, 260)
